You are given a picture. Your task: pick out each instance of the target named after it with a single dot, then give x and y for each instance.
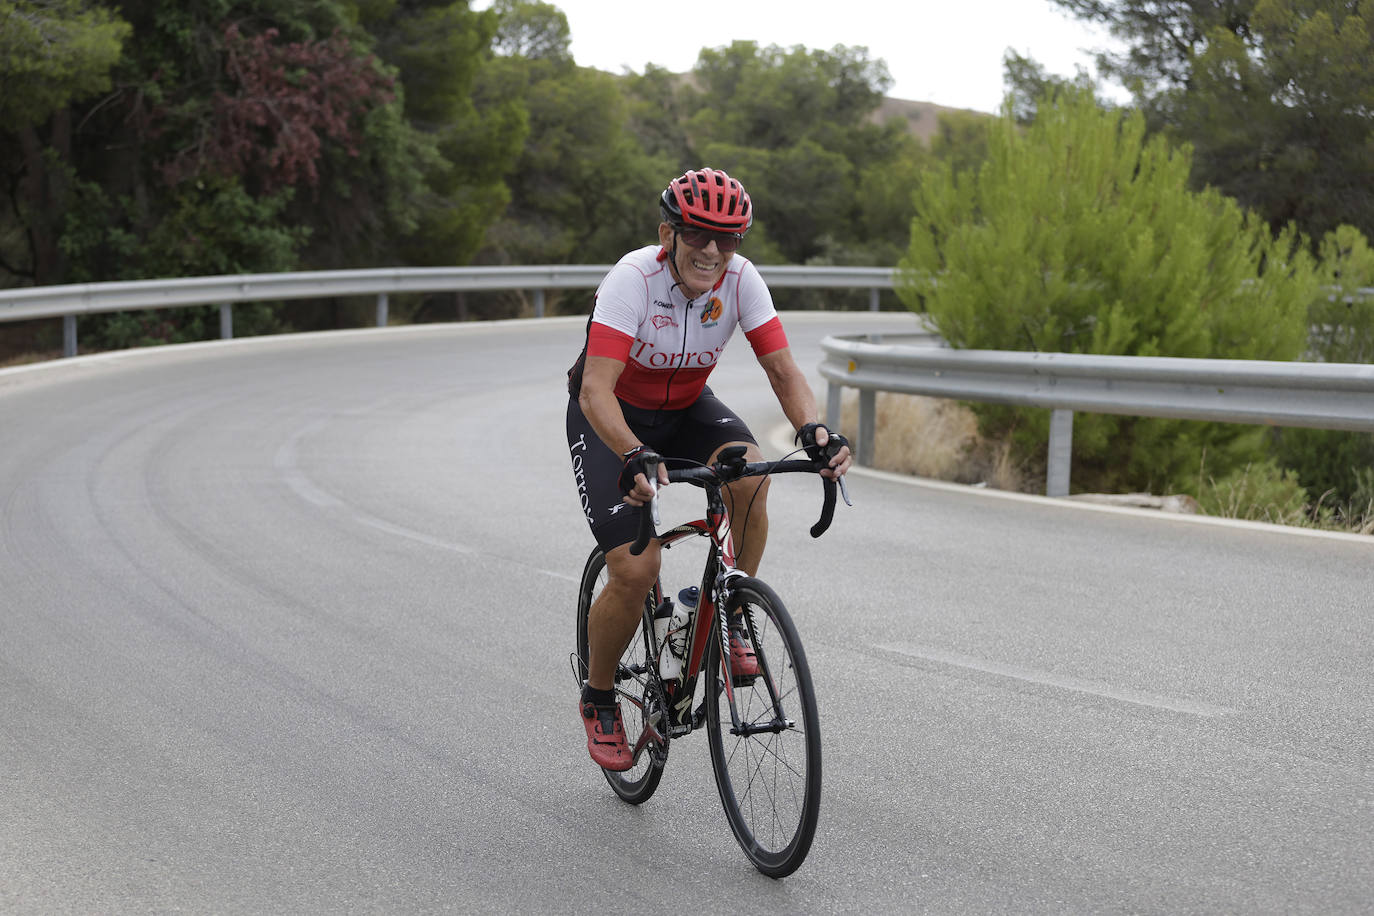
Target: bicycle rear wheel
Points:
(767, 755)
(640, 699)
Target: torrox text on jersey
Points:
(669, 343)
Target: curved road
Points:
(284, 627)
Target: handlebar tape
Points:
(646, 515)
(646, 531)
(827, 507)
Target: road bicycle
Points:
(764, 729)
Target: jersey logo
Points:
(663, 321)
(710, 313)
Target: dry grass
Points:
(934, 438)
(24, 359)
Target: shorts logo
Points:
(663, 321)
(580, 446)
(710, 314)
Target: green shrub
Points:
(1331, 463)
(1077, 235)
(1260, 491)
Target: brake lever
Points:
(828, 451)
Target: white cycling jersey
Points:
(669, 343)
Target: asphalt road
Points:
(284, 628)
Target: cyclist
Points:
(661, 319)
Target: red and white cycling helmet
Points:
(707, 199)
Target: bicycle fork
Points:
(779, 721)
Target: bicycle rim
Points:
(770, 780)
(633, 685)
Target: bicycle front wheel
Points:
(640, 701)
(765, 736)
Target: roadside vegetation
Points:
(1224, 213)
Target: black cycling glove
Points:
(806, 438)
(639, 460)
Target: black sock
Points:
(598, 697)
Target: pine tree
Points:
(1078, 235)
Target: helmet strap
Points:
(672, 262)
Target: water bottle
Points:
(670, 632)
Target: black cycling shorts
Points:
(695, 433)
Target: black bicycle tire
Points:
(638, 784)
(780, 862)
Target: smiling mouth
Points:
(704, 266)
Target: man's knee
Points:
(636, 574)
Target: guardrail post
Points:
(539, 303)
(68, 335)
(226, 320)
(382, 303)
(868, 399)
(873, 299)
(1061, 453)
(832, 405)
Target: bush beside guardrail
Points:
(1315, 395)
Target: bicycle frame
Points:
(719, 571)
(682, 689)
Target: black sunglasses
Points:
(700, 238)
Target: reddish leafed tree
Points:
(286, 102)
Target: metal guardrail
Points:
(1319, 395)
(70, 301)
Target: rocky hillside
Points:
(922, 117)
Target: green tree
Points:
(1162, 37)
(532, 30)
(1336, 466)
(799, 128)
(439, 48)
(52, 53)
(659, 113)
(961, 140)
(1028, 82)
(582, 189)
(1342, 317)
(1282, 114)
(1274, 95)
(1079, 235)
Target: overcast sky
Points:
(949, 53)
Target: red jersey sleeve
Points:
(767, 337)
(607, 341)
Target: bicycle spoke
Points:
(768, 768)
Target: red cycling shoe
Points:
(743, 662)
(606, 736)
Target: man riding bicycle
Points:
(661, 320)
